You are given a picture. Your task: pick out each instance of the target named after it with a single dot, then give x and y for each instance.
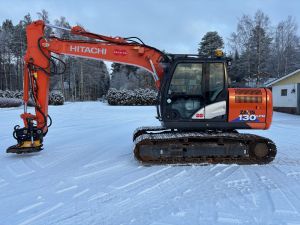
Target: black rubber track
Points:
(157, 137)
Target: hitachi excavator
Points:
(199, 113)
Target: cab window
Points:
(216, 80)
(187, 79)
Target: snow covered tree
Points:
(10, 102)
(131, 97)
(209, 43)
(56, 98)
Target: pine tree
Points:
(115, 67)
(209, 43)
(6, 49)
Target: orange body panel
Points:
(269, 109)
(252, 106)
(128, 54)
(34, 57)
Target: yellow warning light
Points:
(218, 53)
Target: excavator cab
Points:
(194, 93)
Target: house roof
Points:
(282, 78)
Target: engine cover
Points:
(250, 105)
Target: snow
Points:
(87, 175)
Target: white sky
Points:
(175, 26)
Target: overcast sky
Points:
(176, 26)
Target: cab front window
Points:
(187, 79)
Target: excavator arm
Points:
(37, 72)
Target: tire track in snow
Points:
(66, 189)
(115, 195)
(96, 173)
(218, 190)
(172, 190)
(19, 169)
(41, 214)
(77, 195)
(29, 207)
(267, 192)
(286, 194)
(178, 197)
(135, 201)
(120, 186)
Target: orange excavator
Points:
(199, 113)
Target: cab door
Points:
(215, 93)
(185, 95)
(197, 91)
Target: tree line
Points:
(260, 51)
(83, 79)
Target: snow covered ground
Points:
(87, 175)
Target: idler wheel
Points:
(260, 150)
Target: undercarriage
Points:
(157, 145)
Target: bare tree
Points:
(251, 43)
(285, 47)
(239, 40)
(44, 15)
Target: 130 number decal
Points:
(247, 117)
